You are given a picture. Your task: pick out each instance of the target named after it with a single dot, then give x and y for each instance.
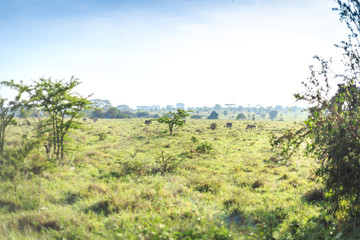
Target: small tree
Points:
(273, 114)
(62, 108)
(174, 119)
(8, 109)
(213, 115)
(240, 116)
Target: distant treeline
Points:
(104, 109)
(116, 113)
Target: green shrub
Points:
(102, 136)
(204, 147)
(167, 163)
(213, 126)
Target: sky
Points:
(157, 52)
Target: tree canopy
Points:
(62, 108)
(174, 119)
(8, 108)
(213, 115)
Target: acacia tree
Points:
(273, 114)
(62, 109)
(331, 133)
(8, 109)
(174, 119)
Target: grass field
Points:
(124, 180)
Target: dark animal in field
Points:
(84, 119)
(147, 122)
(95, 120)
(229, 125)
(249, 126)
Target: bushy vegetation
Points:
(331, 132)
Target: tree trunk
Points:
(171, 129)
(2, 140)
(48, 146)
(62, 147)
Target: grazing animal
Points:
(84, 119)
(249, 126)
(229, 125)
(95, 120)
(147, 122)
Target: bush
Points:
(213, 126)
(167, 163)
(102, 136)
(204, 147)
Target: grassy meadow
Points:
(124, 180)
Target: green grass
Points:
(113, 185)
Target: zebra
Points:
(249, 126)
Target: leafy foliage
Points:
(331, 133)
(204, 147)
(8, 109)
(167, 163)
(174, 119)
(62, 107)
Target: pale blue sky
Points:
(163, 52)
